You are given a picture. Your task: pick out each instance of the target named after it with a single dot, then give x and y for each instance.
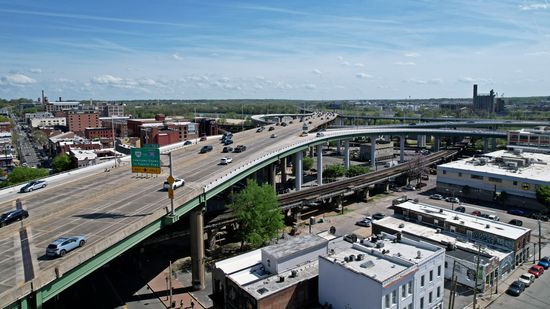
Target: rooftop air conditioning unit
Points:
(380, 244)
(487, 226)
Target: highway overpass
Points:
(504, 122)
(117, 209)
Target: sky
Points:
(321, 50)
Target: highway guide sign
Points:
(146, 159)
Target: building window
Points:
(431, 276)
(476, 177)
(439, 270)
(268, 263)
(493, 179)
(422, 303)
(525, 186)
(459, 174)
(422, 280)
(410, 287)
(430, 297)
(444, 172)
(394, 297)
(404, 291)
(387, 300)
(438, 291)
(446, 264)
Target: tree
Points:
(61, 163)
(416, 168)
(334, 171)
(257, 211)
(543, 195)
(308, 163)
(23, 174)
(40, 137)
(356, 170)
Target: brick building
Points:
(78, 121)
(92, 133)
(5, 126)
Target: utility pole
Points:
(540, 237)
(476, 275)
(170, 281)
(452, 284)
(534, 252)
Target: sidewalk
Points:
(181, 297)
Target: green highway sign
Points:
(146, 160)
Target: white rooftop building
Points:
(390, 272)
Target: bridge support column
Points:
(494, 144)
(365, 194)
(311, 152)
(485, 145)
(298, 170)
(319, 149)
(338, 147)
(436, 143)
(373, 152)
(283, 171)
(272, 174)
(346, 154)
(197, 249)
(421, 141)
(401, 148)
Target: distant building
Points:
(486, 102)
(5, 126)
(161, 130)
(277, 276)
(52, 107)
(95, 133)
(47, 122)
(120, 123)
(78, 121)
(509, 177)
(110, 109)
(207, 126)
(538, 137)
(83, 158)
(29, 116)
(383, 272)
(6, 151)
(384, 151)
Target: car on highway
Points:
(260, 129)
(516, 222)
(517, 212)
(378, 216)
(225, 160)
(536, 270)
(452, 200)
(203, 138)
(476, 213)
(273, 135)
(460, 209)
(228, 142)
(187, 143)
(527, 279)
(303, 134)
(283, 124)
(33, 185)
(436, 197)
(544, 262)
(178, 182)
(352, 238)
(516, 288)
(271, 128)
(206, 148)
(366, 222)
(320, 134)
(227, 149)
(239, 148)
(62, 245)
(539, 216)
(12, 216)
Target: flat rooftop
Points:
(297, 244)
(409, 250)
(240, 262)
(537, 171)
(474, 222)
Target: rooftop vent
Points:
(293, 273)
(487, 226)
(418, 254)
(367, 264)
(455, 218)
(402, 225)
(351, 258)
(438, 231)
(262, 290)
(360, 257)
(441, 210)
(380, 244)
(281, 278)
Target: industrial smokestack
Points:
(42, 101)
(59, 99)
(475, 91)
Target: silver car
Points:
(62, 245)
(33, 185)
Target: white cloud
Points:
(317, 71)
(310, 86)
(345, 63)
(538, 53)
(360, 65)
(127, 83)
(534, 6)
(412, 54)
(177, 57)
(469, 80)
(404, 63)
(16, 80)
(433, 81)
(363, 75)
(36, 71)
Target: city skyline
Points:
(276, 50)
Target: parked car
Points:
(516, 222)
(536, 270)
(187, 143)
(517, 212)
(62, 245)
(178, 182)
(350, 238)
(409, 188)
(260, 129)
(453, 200)
(436, 197)
(271, 128)
(226, 160)
(516, 288)
(378, 216)
(303, 134)
(206, 148)
(273, 135)
(228, 142)
(283, 124)
(365, 222)
(544, 262)
(240, 148)
(539, 216)
(476, 213)
(227, 149)
(203, 138)
(460, 209)
(527, 279)
(34, 185)
(12, 216)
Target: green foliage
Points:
(257, 211)
(61, 163)
(4, 119)
(356, 170)
(308, 163)
(334, 171)
(40, 137)
(543, 195)
(24, 174)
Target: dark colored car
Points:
(460, 209)
(476, 213)
(12, 216)
(378, 216)
(517, 212)
(206, 148)
(271, 128)
(544, 262)
(203, 138)
(187, 143)
(516, 288)
(228, 142)
(227, 149)
(539, 216)
(536, 270)
(240, 148)
(516, 222)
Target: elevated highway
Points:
(117, 209)
(417, 120)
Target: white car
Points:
(178, 182)
(527, 278)
(226, 160)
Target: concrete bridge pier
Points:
(485, 145)
(283, 171)
(271, 172)
(319, 149)
(421, 141)
(338, 147)
(197, 248)
(311, 152)
(298, 170)
(494, 144)
(436, 143)
(373, 152)
(365, 194)
(346, 154)
(401, 148)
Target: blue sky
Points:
(273, 49)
